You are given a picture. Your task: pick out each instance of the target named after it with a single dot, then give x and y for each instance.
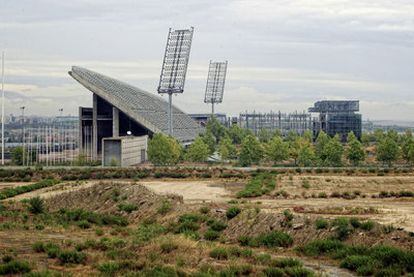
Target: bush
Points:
(109, 268)
(232, 212)
(36, 205)
(83, 224)
(354, 262)
(11, 192)
(286, 262)
(343, 230)
(219, 253)
(321, 247)
(168, 247)
(71, 257)
(321, 223)
(298, 271)
(211, 235)
(127, 207)
(14, 267)
(272, 239)
(217, 225)
(273, 272)
(367, 225)
(165, 207)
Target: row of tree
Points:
(242, 146)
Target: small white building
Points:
(124, 151)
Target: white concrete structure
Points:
(124, 151)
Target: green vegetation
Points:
(36, 205)
(271, 239)
(376, 260)
(261, 184)
(127, 207)
(11, 192)
(163, 150)
(232, 212)
(198, 151)
(251, 151)
(14, 267)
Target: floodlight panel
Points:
(215, 82)
(177, 54)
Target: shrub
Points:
(14, 267)
(127, 207)
(263, 258)
(36, 205)
(232, 212)
(146, 232)
(321, 247)
(219, 253)
(204, 210)
(298, 271)
(367, 225)
(355, 222)
(343, 230)
(355, 261)
(321, 223)
(83, 224)
(71, 257)
(109, 268)
(217, 225)
(168, 247)
(165, 207)
(211, 235)
(286, 262)
(273, 272)
(273, 239)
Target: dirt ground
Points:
(396, 211)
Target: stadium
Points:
(120, 110)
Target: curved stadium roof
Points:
(145, 108)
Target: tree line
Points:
(241, 147)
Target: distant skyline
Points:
(283, 55)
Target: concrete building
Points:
(120, 110)
(337, 118)
(124, 151)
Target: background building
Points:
(337, 117)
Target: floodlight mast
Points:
(174, 67)
(215, 83)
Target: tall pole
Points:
(22, 108)
(2, 108)
(170, 115)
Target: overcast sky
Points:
(283, 55)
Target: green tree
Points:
(216, 128)
(388, 150)
(333, 152)
(355, 152)
(320, 145)
(410, 156)
(277, 150)
(226, 149)
(236, 134)
(198, 151)
(17, 155)
(251, 151)
(307, 135)
(210, 140)
(306, 154)
(264, 135)
(406, 145)
(163, 150)
(294, 148)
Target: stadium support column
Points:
(80, 135)
(95, 127)
(115, 122)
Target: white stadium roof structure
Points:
(146, 109)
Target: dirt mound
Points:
(132, 200)
(302, 229)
